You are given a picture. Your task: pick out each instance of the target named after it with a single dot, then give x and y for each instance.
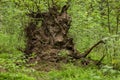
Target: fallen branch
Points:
(77, 55)
(90, 49)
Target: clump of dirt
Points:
(47, 40)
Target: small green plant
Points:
(63, 53)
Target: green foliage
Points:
(76, 73)
(11, 67)
(92, 20)
(63, 53)
(14, 76)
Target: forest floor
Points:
(11, 70)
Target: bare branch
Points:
(90, 49)
(99, 62)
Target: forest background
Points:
(92, 20)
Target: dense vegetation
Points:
(92, 20)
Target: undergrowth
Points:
(13, 67)
(86, 29)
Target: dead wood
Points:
(47, 40)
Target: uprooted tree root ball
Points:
(47, 40)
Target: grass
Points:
(69, 72)
(14, 76)
(79, 73)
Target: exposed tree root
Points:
(47, 40)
